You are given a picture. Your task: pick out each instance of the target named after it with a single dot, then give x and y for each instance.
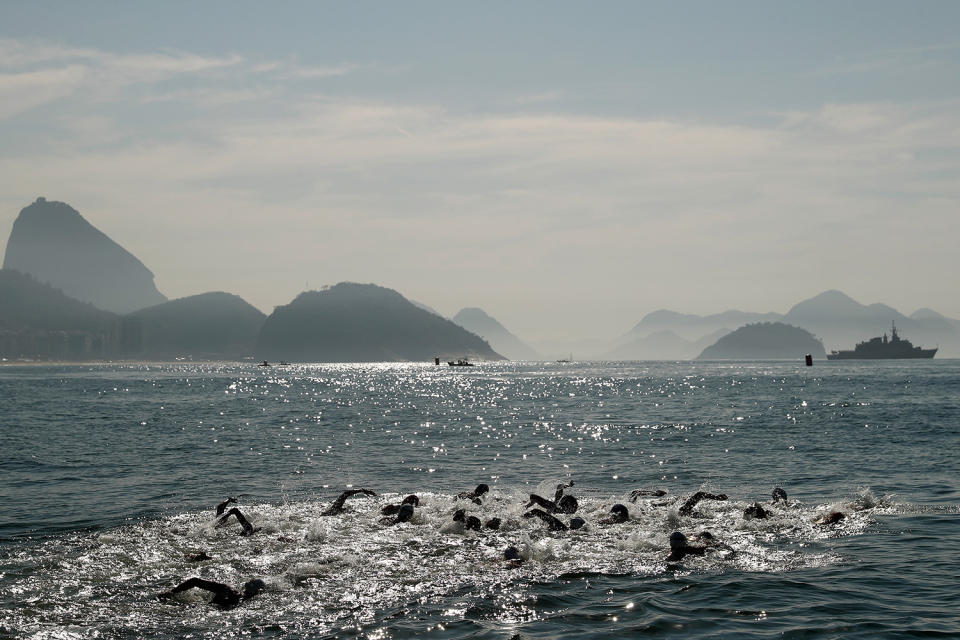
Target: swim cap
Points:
(576, 523)
(677, 540)
(511, 553)
(619, 512)
(405, 513)
(253, 587)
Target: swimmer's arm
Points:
(337, 505)
(216, 588)
(223, 505)
(247, 527)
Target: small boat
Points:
(461, 362)
(570, 359)
(264, 364)
(284, 364)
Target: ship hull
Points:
(853, 355)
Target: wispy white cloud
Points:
(35, 73)
(338, 187)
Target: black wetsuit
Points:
(692, 501)
(223, 505)
(473, 496)
(393, 509)
(337, 507)
(550, 520)
(224, 596)
(644, 493)
(404, 514)
(247, 527)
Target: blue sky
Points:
(568, 167)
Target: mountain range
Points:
(833, 317)
(68, 291)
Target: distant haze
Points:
(567, 168)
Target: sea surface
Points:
(110, 474)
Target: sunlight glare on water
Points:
(114, 472)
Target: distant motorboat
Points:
(570, 359)
(264, 364)
(461, 362)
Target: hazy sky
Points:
(568, 167)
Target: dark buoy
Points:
(809, 359)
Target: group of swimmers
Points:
(544, 509)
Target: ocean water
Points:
(110, 474)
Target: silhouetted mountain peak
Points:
(764, 340)
(54, 243)
(352, 322)
(204, 326)
(478, 321)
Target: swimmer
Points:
(755, 511)
(337, 507)
(492, 524)
(549, 520)
(470, 523)
(511, 555)
(473, 496)
(644, 493)
(223, 505)
(680, 547)
(559, 492)
(618, 514)
(711, 542)
(831, 518)
(779, 495)
(404, 514)
(566, 504)
(577, 523)
(692, 501)
(392, 509)
(248, 529)
(224, 596)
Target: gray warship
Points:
(880, 348)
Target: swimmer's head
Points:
(493, 523)
(568, 504)
(511, 553)
(779, 495)
(481, 489)
(619, 513)
(253, 587)
(677, 541)
(577, 523)
(459, 515)
(411, 499)
(405, 513)
(705, 535)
